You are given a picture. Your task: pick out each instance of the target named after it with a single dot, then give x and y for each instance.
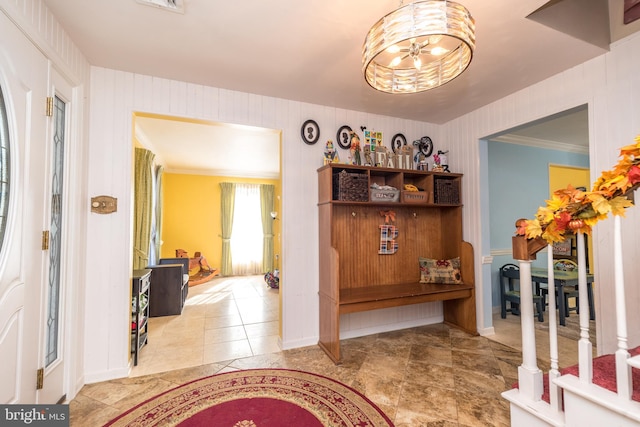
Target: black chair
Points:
(568, 291)
(510, 293)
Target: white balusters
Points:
(585, 348)
(623, 369)
(529, 375)
(555, 392)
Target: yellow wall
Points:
(191, 215)
(560, 177)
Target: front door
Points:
(23, 82)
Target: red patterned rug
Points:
(257, 398)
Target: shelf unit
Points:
(139, 311)
(355, 277)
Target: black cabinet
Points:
(169, 287)
(139, 311)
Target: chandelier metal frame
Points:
(433, 42)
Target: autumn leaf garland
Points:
(571, 210)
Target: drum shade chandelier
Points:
(419, 46)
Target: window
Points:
(4, 167)
(247, 237)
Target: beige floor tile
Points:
(226, 351)
(425, 376)
(264, 344)
(222, 321)
(262, 329)
(221, 335)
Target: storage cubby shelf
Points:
(358, 273)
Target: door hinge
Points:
(45, 240)
(49, 106)
(40, 379)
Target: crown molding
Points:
(542, 143)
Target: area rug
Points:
(257, 398)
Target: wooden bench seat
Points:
(374, 297)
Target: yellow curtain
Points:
(266, 207)
(143, 200)
(227, 200)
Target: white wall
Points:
(610, 85)
(115, 96)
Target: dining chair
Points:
(563, 264)
(510, 292)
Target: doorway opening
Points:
(229, 315)
(517, 181)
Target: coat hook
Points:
(353, 214)
(415, 215)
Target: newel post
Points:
(529, 375)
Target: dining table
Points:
(561, 279)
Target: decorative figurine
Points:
(421, 161)
(355, 148)
(330, 154)
(368, 160)
(443, 162)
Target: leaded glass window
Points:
(4, 167)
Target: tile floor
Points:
(425, 376)
(224, 319)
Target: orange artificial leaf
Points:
(544, 214)
(533, 229)
(631, 150)
(553, 234)
(556, 203)
(618, 204)
(600, 204)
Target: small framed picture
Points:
(310, 132)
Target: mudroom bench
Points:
(360, 272)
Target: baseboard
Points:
(354, 333)
(487, 331)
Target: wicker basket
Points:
(447, 192)
(415, 197)
(350, 187)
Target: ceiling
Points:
(208, 148)
(310, 51)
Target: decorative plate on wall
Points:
(310, 132)
(343, 138)
(397, 142)
(425, 145)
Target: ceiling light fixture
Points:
(172, 5)
(419, 46)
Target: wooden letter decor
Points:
(388, 234)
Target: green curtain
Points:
(143, 200)
(266, 207)
(227, 201)
(159, 206)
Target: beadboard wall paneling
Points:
(609, 85)
(115, 97)
(37, 21)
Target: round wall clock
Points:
(397, 142)
(343, 138)
(310, 132)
